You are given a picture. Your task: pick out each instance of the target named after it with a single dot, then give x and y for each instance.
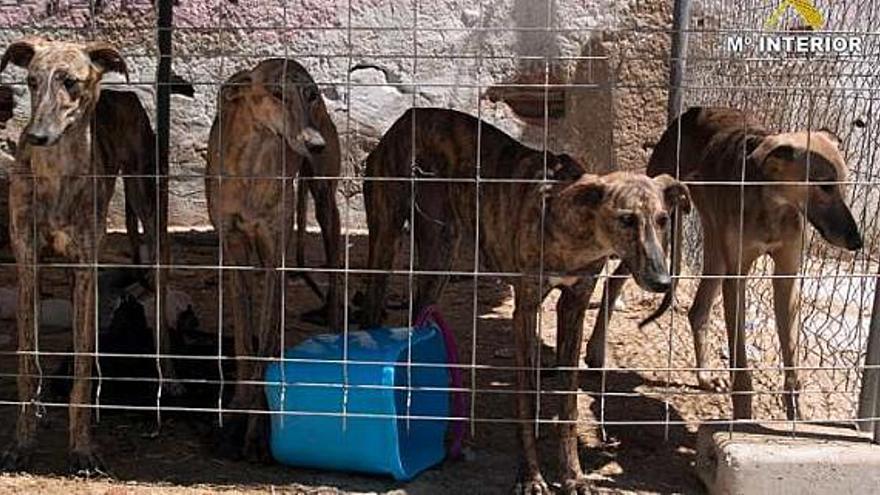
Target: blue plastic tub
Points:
(375, 436)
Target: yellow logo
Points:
(805, 9)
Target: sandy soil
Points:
(637, 433)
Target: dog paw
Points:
(577, 486)
(86, 464)
(15, 458)
(531, 485)
(595, 358)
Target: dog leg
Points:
(698, 315)
(84, 460)
(327, 214)
(734, 293)
(529, 479)
(437, 245)
(595, 357)
(570, 321)
(241, 292)
(131, 223)
(255, 445)
(785, 301)
(385, 223)
(269, 328)
(17, 456)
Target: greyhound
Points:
(271, 124)
(797, 177)
(58, 199)
(586, 219)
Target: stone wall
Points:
(609, 60)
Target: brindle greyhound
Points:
(797, 177)
(586, 219)
(126, 140)
(58, 198)
(271, 124)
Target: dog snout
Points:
(313, 140)
(855, 242)
(37, 139)
(661, 283)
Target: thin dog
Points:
(58, 198)
(271, 125)
(759, 188)
(586, 219)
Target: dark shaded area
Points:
(182, 451)
(134, 380)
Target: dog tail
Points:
(675, 249)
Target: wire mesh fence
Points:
(587, 79)
(792, 91)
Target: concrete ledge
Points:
(758, 459)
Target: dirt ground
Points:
(638, 420)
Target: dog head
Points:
(64, 83)
(284, 100)
(627, 215)
(808, 167)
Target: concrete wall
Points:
(611, 57)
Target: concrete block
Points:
(759, 459)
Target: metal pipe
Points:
(869, 405)
(681, 17)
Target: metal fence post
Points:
(869, 405)
(681, 17)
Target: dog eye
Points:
(69, 83)
(276, 90)
(628, 220)
(827, 188)
(310, 94)
(662, 220)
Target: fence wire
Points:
(792, 91)
(556, 75)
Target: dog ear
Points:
(828, 133)
(566, 168)
(107, 58)
(19, 53)
(775, 147)
(588, 193)
(234, 87)
(675, 193)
